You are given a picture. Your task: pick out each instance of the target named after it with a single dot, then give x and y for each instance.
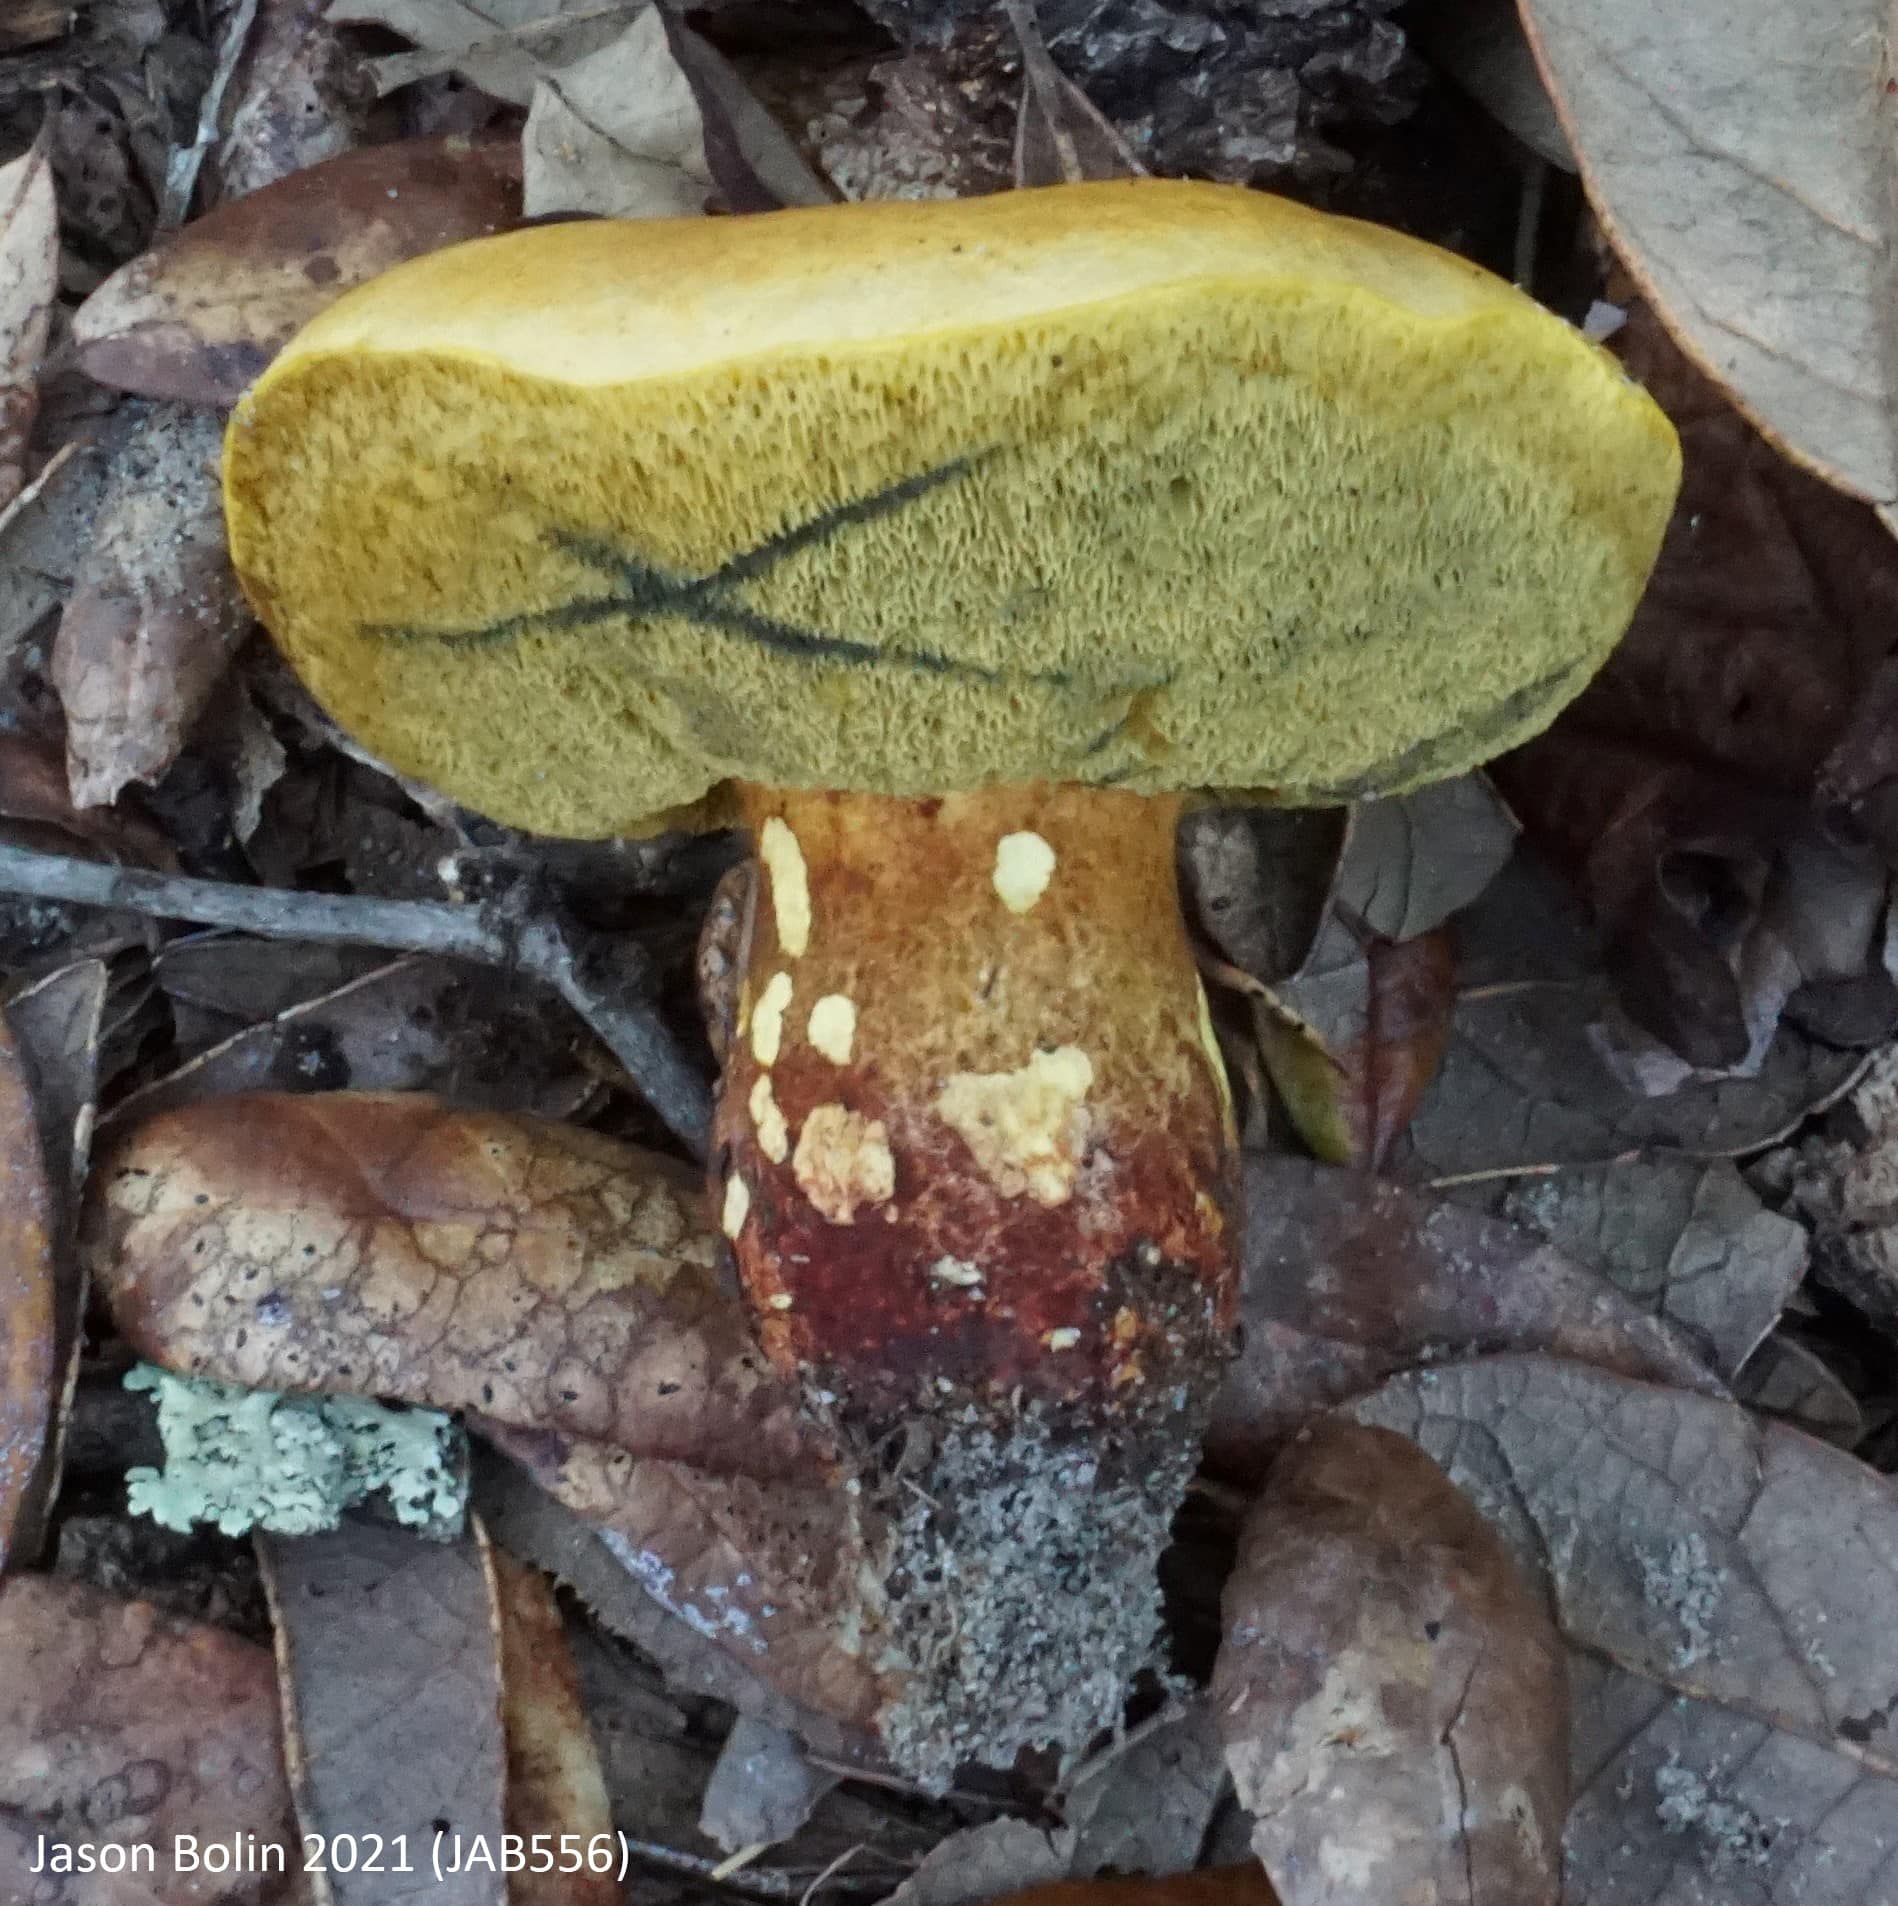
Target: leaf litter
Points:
(1590, 1079)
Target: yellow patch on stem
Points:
(790, 885)
(843, 1161)
(1028, 1129)
(767, 1116)
(1024, 864)
(737, 1206)
(767, 1019)
(832, 1027)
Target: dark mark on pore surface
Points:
(710, 602)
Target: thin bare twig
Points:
(607, 983)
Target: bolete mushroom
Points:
(950, 547)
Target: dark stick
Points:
(608, 988)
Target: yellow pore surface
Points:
(1147, 484)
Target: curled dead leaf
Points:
(554, 1784)
(199, 317)
(1392, 1693)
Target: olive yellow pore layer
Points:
(1152, 484)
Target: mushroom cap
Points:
(1152, 484)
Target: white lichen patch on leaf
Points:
(790, 885)
(767, 1020)
(1028, 1129)
(1024, 864)
(832, 1027)
(767, 1117)
(1063, 1339)
(737, 1207)
(843, 1161)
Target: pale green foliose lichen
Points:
(245, 1459)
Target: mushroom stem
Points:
(977, 1164)
(975, 1123)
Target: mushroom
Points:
(949, 548)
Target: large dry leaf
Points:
(552, 1280)
(198, 318)
(1392, 1694)
(557, 1286)
(29, 1367)
(1349, 1279)
(390, 1677)
(29, 281)
(554, 1784)
(121, 1725)
(1729, 1594)
(156, 612)
(1736, 155)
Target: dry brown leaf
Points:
(198, 318)
(35, 795)
(1686, 1240)
(655, 124)
(558, 1286)
(390, 1681)
(295, 99)
(29, 282)
(122, 1725)
(1349, 1279)
(1526, 1082)
(617, 133)
(29, 1367)
(552, 1280)
(1354, 1038)
(556, 1538)
(1737, 156)
(1689, 791)
(155, 614)
(554, 1784)
(1392, 1692)
(1727, 1591)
